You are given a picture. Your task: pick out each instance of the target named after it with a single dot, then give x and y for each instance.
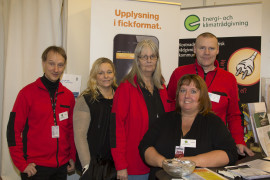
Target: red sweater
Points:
(128, 126)
(220, 82)
(29, 131)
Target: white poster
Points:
(223, 21)
(73, 83)
(116, 20)
(238, 29)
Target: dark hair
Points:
(204, 101)
(54, 49)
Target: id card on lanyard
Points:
(55, 128)
(180, 150)
(55, 132)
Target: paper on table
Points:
(202, 174)
(247, 172)
(208, 174)
(259, 164)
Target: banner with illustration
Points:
(117, 26)
(239, 37)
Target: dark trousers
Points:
(47, 173)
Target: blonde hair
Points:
(204, 101)
(136, 70)
(92, 87)
(206, 35)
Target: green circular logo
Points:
(192, 23)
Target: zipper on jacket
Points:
(54, 100)
(55, 122)
(57, 152)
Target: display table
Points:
(162, 175)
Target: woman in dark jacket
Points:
(92, 116)
(191, 132)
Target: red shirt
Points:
(129, 124)
(29, 131)
(219, 82)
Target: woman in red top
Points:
(138, 101)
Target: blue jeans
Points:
(138, 177)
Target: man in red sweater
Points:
(222, 86)
(40, 128)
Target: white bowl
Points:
(178, 168)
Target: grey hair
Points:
(136, 70)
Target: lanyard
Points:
(53, 101)
(204, 80)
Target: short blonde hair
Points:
(206, 35)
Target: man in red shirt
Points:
(222, 86)
(40, 128)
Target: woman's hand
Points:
(153, 158)
(122, 174)
(215, 158)
(85, 168)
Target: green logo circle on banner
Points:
(192, 23)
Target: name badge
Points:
(179, 151)
(55, 132)
(188, 143)
(63, 116)
(214, 97)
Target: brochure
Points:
(265, 92)
(202, 174)
(262, 164)
(247, 172)
(208, 174)
(260, 125)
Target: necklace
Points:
(150, 89)
(107, 95)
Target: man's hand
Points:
(122, 174)
(71, 166)
(30, 169)
(241, 149)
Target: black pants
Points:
(48, 173)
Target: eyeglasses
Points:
(145, 58)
